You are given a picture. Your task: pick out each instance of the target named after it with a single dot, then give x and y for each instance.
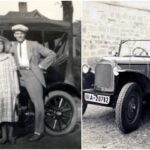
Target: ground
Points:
(68, 141)
(100, 130)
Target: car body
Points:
(122, 82)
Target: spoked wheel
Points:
(129, 107)
(60, 113)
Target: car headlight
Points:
(115, 71)
(85, 68)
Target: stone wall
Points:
(105, 25)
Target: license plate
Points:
(97, 98)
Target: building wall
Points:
(105, 25)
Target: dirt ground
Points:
(100, 130)
(68, 141)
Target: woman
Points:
(9, 90)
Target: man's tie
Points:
(20, 50)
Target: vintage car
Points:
(121, 81)
(62, 93)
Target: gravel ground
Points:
(100, 130)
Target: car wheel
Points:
(60, 113)
(129, 107)
(84, 106)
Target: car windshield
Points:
(135, 48)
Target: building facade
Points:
(106, 24)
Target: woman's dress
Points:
(9, 88)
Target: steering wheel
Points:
(142, 50)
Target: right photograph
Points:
(116, 74)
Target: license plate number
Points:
(97, 98)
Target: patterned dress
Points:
(9, 88)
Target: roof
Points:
(33, 19)
(33, 14)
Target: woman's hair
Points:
(6, 45)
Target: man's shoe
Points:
(12, 140)
(35, 137)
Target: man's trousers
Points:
(35, 91)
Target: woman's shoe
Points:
(3, 141)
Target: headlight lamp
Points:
(115, 71)
(85, 68)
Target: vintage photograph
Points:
(116, 74)
(40, 74)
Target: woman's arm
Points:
(15, 76)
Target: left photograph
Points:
(40, 74)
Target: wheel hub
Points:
(132, 108)
(58, 113)
(54, 112)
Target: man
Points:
(28, 56)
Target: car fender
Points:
(64, 87)
(88, 80)
(133, 75)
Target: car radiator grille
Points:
(104, 79)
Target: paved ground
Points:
(69, 141)
(100, 130)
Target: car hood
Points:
(127, 60)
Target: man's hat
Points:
(20, 27)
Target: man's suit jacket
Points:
(38, 55)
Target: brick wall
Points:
(104, 25)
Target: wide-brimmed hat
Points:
(6, 43)
(20, 27)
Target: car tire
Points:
(70, 101)
(129, 107)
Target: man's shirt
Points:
(23, 54)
